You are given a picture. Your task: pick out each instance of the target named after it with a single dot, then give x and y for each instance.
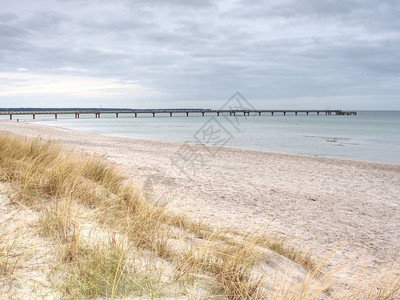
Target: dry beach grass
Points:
(55, 183)
(99, 237)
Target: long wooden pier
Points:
(170, 112)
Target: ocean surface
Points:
(371, 135)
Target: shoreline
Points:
(34, 122)
(348, 207)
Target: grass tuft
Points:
(9, 257)
(96, 272)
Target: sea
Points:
(369, 136)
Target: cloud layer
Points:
(155, 53)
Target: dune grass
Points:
(100, 270)
(9, 256)
(56, 182)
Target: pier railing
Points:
(187, 112)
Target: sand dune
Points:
(349, 207)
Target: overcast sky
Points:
(154, 53)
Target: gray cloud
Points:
(336, 53)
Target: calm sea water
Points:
(371, 135)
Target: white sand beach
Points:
(323, 205)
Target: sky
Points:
(278, 54)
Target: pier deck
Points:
(170, 112)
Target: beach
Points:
(322, 205)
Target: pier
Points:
(170, 112)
